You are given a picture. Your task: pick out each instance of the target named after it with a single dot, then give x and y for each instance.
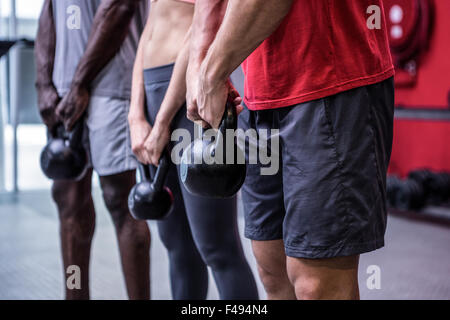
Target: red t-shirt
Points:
(323, 47)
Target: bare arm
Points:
(45, 56)
(173, 100)
(137, 103)
(245, 25)
(176, 92)
(139, 126)
(45, 46)
(148, 143)
(207, 19)
(109, 30)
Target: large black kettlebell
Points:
(64, 157)
(151, 200)
(219, 179)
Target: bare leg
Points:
(272, 269)
(335, 278)
(133, 236)
(77, 224)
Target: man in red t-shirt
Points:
(319, 72)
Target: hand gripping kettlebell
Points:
(64, 157)
(151, 200)
(219, 179)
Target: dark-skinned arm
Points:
(245, 26)
(44, 52)
(109, 30)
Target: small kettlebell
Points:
(64, 157)
(151, 200)
(217, 179)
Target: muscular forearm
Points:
(207, 19)
(109, 30)
(245, 26)
(45, 47)
(176, 93)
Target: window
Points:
(27, 13)
(31, 137)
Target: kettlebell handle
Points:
(161, 171)
(229, 119)
(144, 172)
(57, 131)
(74, 137)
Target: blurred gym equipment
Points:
(422, 187)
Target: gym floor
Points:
(415, 263)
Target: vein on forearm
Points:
(208, 16)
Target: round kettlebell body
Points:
(60, 161)
(146, 203)
(150, 199)
(214, 179)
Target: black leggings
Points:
(200, 232)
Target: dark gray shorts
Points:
(328, 197)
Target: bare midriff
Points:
(170, 21)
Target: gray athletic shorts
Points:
(328, 197)
(107, 136)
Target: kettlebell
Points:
(218, 179)
(151, 200)
(64, 157)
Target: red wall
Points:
(433, 76)
(420, 143)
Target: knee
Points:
(71, 198)
(76, 213)
(59, 194)
(219, 258)
(308, 288)
(173, 244)
(137, 233)
(329, 288)
(274, 279)
(116, 201)
(331, 279)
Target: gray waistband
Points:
(158, 74)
